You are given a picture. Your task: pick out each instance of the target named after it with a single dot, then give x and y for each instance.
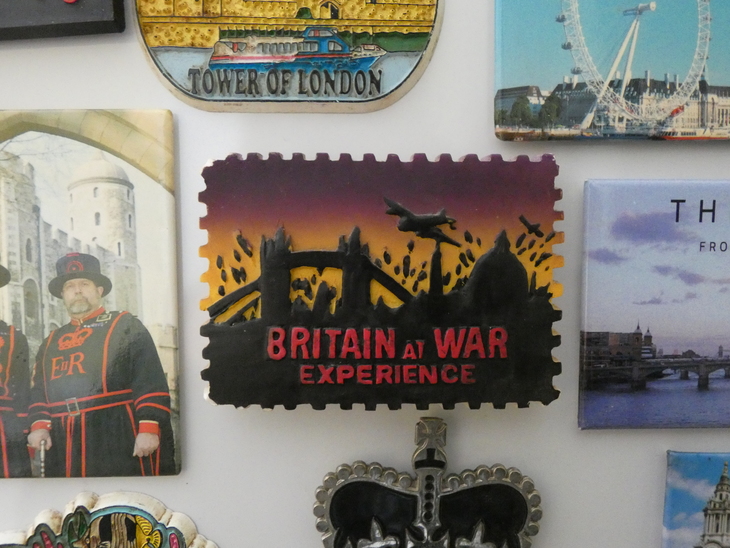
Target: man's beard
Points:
(79, 306)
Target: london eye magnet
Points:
(611, 69)
(367, 282)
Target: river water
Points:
(666, 403)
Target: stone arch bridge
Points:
(639, 372)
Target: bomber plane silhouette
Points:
(424, 226)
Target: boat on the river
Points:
(316, 47)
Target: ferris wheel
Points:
(611, 98)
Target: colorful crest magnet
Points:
(342, 281)
(125, 519)
(696, 509)
(300, 56)
(656, 294)
(47, 18)
(368, 505)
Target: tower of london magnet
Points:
(367, 282)
(298, 56)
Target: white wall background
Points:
(249, 476)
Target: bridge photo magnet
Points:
(380, 282)
(696, 512)
(48, 18)
(133, 520)
(298, 56)
(654, 342)
(371, 505)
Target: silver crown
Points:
(370, 506)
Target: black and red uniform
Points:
(14, 395)
(97, 383)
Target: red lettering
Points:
(420, 349)
(427, 373)
(364, 374)
(383, 373)
(299, 339)
(397, 374)
(344, 372)
(449, 379)
(75, 359)
(448, 345)
(332, 334)
(474, 343)
(326, 374)
(305, 374)
(366, 343)
(467, 374)
(349, 344)
(409, 373)
(315, 343)
(383, 344)
(57, 365)
(275, 347)
(410, 352)
(498, 339)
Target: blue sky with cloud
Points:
(642, 265)
(528, 49)
(691, 481)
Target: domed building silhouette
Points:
(101, 207)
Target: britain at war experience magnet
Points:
(114, 519)
(344, 281)
(370, 505)
(294, 56)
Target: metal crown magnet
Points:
(371, 506)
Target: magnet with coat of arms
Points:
(116, 519)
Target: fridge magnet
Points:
(120, 519)
(652, 263)
(88, 376)
(48, 18)
(608, 69)
(371, 505)
(359, 281)
(299, 56)
(696, 511)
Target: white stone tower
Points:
(716, 532)
(102, 214)
(101, 202)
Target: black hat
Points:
(78, 265)
(4, 276)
